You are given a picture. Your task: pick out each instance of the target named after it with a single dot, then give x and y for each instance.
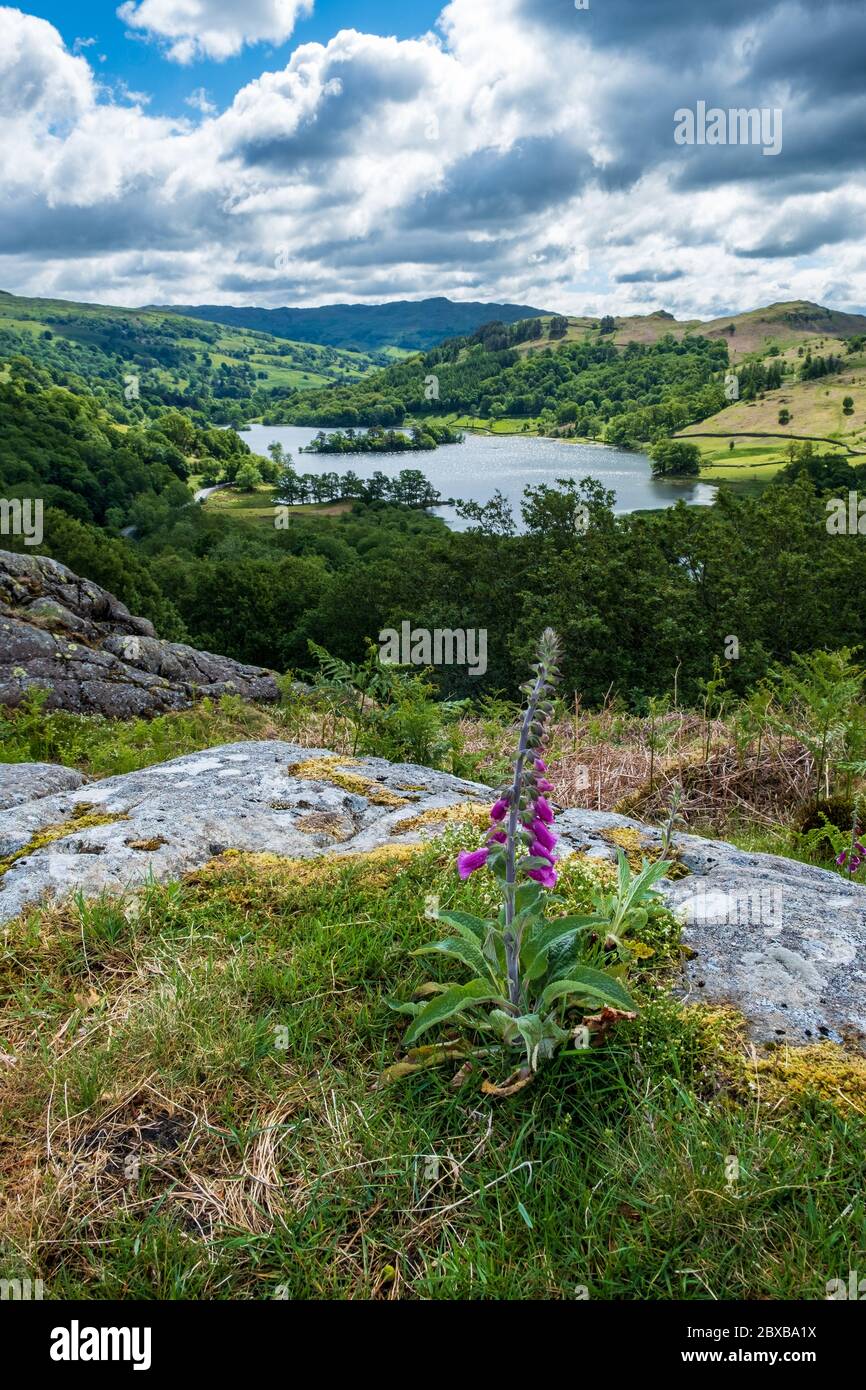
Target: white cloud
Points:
(40, 82)
(199, 100)
(500, 159)
(215, 29)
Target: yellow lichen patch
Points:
(147, 846)
(780, 1077)
(825, 1070)
(630, 841)
(51, 833)
(325, 823)
(380, 862)
(464, 812)
(636, 849)
(326, 770)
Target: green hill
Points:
(414, 325)
(137, 362)
(588, 388)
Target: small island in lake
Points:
(377, 440)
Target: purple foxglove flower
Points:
(543, 785)
(538, 851)
(542, 834)
(470, 860)
(546, 877)
(540, 765)
(841, 859)
(543, 811)
(498, 835)
(499, 809)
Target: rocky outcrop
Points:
(20, 782)
(73, 639)
(781, 941)
(259, 796)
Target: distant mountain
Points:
(416, 325)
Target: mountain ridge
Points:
(412, 324)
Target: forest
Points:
(591, 389)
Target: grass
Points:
(191, 1112)
(188, 1079)
(103, 747)
(259, 505)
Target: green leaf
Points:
(649, 874)
(533, 957)
(473, 928)
(410, 1009)
(466, 951)
(527, 895)
(452, 1002)
(504, 1024)
(531, 1029)
(623, 874)
(588, 983)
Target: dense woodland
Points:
(591, 389)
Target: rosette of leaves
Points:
(553, 981)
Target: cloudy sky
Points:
(313, 151)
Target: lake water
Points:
(484, 463)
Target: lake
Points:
(475, 469)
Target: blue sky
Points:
(139, 64)
(282, 152)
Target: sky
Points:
(583, 156)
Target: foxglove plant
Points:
(527, 971)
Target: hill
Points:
(140, 361)
(588, 388)
(784, 325)
(415, 325)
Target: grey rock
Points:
(783, 942)
(170, 819)
(82, 646)
(21, 782)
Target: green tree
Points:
(675, 458)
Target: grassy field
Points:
(815, 409)
(260, 505)
(191, 1112)
(190, 1090)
